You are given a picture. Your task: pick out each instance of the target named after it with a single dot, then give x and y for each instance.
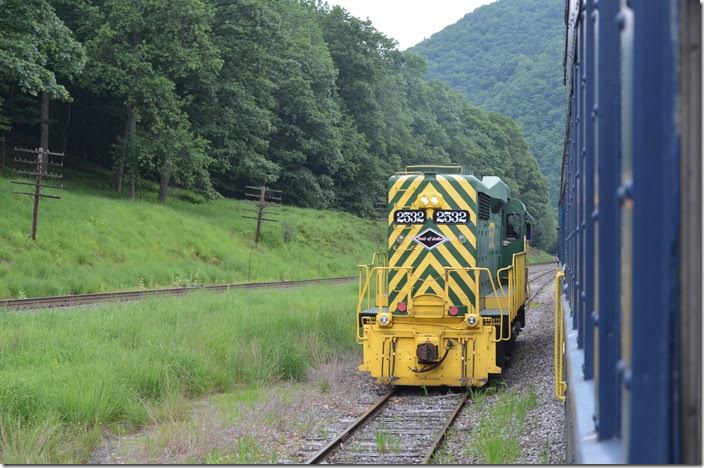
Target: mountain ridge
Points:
(506, 57)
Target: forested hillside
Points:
(213, 95)
(507, 57)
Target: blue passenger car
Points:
(630, 231)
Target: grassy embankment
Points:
(93, 240)
(539, 256)
(66, 377)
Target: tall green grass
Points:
(93, 240)
(497, 439)
(66, 374)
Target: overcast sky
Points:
(410, 21)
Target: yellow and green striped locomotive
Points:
(444, 304)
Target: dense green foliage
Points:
(507, 57)
(212, 95)
(92, 240)
(67, 376)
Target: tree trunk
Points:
(132, 192)
(44, 137)
(120, 166)
(132, 153)
(164, 184)
(119, 174)
(3, 151)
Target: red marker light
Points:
(454, 310)
(401, 307)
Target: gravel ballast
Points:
(542, 439)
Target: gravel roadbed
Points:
(543, 436)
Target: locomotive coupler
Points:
(427, 353)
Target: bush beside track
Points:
(67, 376)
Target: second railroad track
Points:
(119, 296)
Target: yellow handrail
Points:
(476, 293)
(559, 345)
(515, 283)
(365, 283)
(363, 293)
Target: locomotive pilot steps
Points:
(444, 304)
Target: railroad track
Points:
(540, 272)
(404, 426)
(121, 296)
(534, 278)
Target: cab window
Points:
(513, 229)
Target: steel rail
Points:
(549, 281)
(440, 436)
(351, 429)
(123, 296)
(374, 410)
(49, 302)
(541, 274)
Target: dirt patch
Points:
(283, 423)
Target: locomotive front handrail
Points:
(559, 344)
(476, 293)
(510, 296)
(366, 273)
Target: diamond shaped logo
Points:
(430, 239)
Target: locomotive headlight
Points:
(424, 201)
(399, 239)
(384, 319)
(462, 238)
(472, 320)
(434, 201)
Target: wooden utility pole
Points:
(44, 137)
(39, 164)
(380, 207)
(264, 198)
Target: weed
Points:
(381, 438)
(324, 385)
(395, 444)
(248, 451)
(352, 451)
(442, 456)
(289, 230)
(545, 451)
(479, 395)
(387, 442)
(497, 439)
